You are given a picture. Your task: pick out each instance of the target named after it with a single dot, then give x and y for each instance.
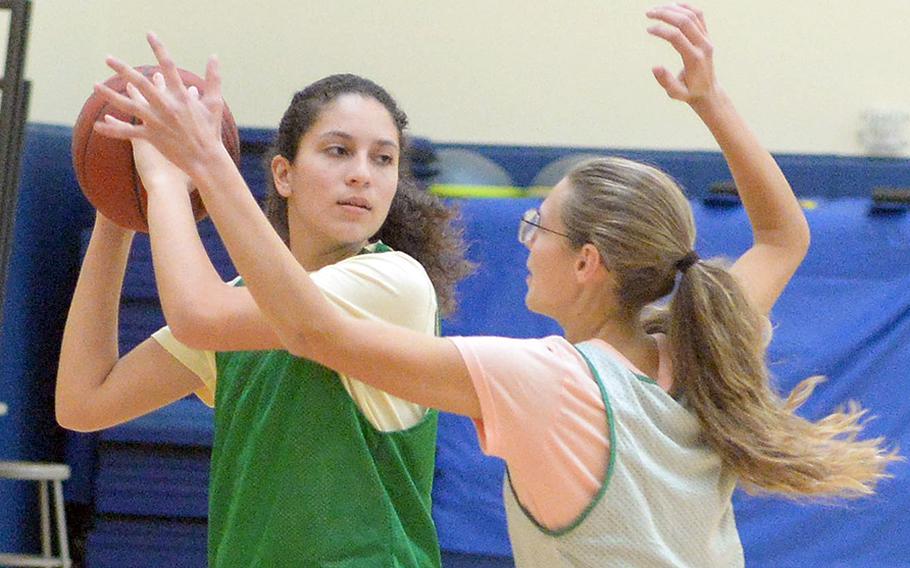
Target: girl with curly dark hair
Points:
(309, 467)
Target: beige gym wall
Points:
(514, 71)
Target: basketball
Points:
(104, 166)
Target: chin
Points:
(536, 306)
(355, 234)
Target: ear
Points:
(281, 172)
(589, 265)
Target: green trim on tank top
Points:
(379, 247)
(645, 379)
(607, 475)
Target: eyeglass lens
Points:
(529, 221)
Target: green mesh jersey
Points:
(301, 478)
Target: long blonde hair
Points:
(642, 225)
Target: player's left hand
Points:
(683, 26)
(184, 126)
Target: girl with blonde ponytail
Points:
(715, 328)
(624, 439)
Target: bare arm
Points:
(95, 387)
(780, 230)
(202, 311)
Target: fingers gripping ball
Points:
(104, 166)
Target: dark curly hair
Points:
(418, 224)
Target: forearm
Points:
(774, 212)
(188, 284)
(285, 294)
(90, 338)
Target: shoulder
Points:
(527, 388)
(607, 363)
(521, 359)
(391, 273)
(389, 268)
(389, 286)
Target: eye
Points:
(385, 159)
(336, 150)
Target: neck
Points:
(622, 330)
(592, 314)
(313, 260)
(314, 253)
(614, 328)
(625, 333)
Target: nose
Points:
(359, 173)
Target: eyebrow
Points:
(346, 136)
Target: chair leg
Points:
(45, 519)
(61, 524)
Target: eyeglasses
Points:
(528, 226)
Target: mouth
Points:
(358, 202)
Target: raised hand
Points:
(686, 31)
(184, 126)
(157, 172)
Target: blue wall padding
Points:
(136, 543)
(846, 315)
(153, 480)
(133, 543)
(43, 266)
(810, 175)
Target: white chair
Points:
(43, 473)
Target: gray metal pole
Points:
(13, 115)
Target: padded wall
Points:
(846, 315)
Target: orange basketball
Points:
(104, 166)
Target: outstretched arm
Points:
(420, 368)
(780, 230)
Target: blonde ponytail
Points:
(718, 359)
(641, 223)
